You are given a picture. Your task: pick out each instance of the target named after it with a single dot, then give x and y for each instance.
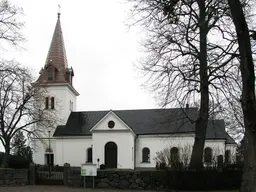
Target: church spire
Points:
(56, 65)
(57, 53)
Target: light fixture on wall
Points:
(98, 160)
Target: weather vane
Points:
(59, 7)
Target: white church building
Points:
(123, 139)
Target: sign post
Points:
(89, 169)
(83, 173)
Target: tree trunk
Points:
(202, 121)
(6, 158)
(248, 95)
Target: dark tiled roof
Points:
(144, 122)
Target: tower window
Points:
(52, 102)
(50, 75)
(46, 102)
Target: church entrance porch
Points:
(111, 155)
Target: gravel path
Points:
(59, 189)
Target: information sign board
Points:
(88, 169)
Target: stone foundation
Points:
(121, 179)
(13, 177)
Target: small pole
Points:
(49, 154)
(93, 182)
(84, 181)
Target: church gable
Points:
(111, 122)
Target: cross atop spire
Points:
(59, 10)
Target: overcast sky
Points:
(100, 48)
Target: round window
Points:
(111, 124)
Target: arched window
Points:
(145, 155)
(227, 156)
(52, 102)
(89, 155)
(174, 155)
(207, 155)
(220, 161)
(47, 103)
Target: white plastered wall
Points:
(62, 96)
(156, 143)
(72, 150)
(120, 134)
(125, 145)
(183, 142)
(39, 148)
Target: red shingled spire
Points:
(57, 53)
(56, 65)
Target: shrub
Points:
(18, 162)
(157, 166)
(176, 165)
(162, 165)
(102, 166)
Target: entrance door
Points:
(111, 155)
(49, 159)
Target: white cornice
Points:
(61, 84)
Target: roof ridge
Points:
(136, 109)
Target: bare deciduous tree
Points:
(189, 55)
(21, 106)
(165, 156)
(10, 24)
(248, 99)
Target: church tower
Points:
(57, 77)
